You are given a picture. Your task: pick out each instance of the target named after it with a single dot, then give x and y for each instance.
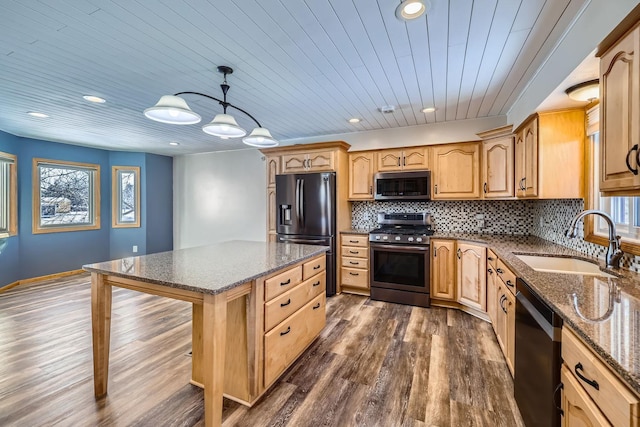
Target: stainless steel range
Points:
(400, 258)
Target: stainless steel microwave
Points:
(415, 185)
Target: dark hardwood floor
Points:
(375, 364)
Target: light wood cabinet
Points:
(471, 276)
(273, 169)
(506, 312)
(620, 114)
(456, 171)
(414, 158)
(361, 171)
(315, 161)
(578, 408)
(497, 163)
(549, 155)
(600, 390)
(443, 270)
(492, 288)
(355, 263)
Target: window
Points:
(8, 195)
(624, 210)
(125, 196)
(66, 196)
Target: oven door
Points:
(404, 268)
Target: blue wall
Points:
(31, 255)
(159, 212)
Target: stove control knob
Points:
(411, 239)
(398, 238)
(418, 239)
(377, 237)
(385, 238)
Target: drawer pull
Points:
(354, 262)
(316, 267)
(499, 271)
(317, 306)
(490, 271)
(634, 171)
(285, 283)
(353, 252)
(509, 283)
(286, 332)
(592, 383)
(502, 300)
(317, 283)
(354, 274)
(354, 241)
(286, 303)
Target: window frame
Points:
(627, 246)
(12, 214)
(36, 209)
(116, 196)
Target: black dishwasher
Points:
(538, 358)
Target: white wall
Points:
(218, 197)
(598, 19)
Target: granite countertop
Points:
(606, 311)
(209, 269)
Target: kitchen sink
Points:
(563, 265)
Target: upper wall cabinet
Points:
(361, 170)
(497, 163)
(456, 171)
(318, 161)
(408, 159)
(620, 114)
(549, 155)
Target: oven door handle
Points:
(423, 248)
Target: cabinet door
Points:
(492, 296)
(294, 163)
(530, 183)
(443, 267)
(619, 114)
(519, 161)
(579, 409)
(389, 160)
(361, 170)
(456, 171)
(320, 161)
(510, 329)
(501, 315)
(271, 210)
(273, 168)
(415, 158)
(471, 283)
(498, 168)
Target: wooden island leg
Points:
(214, 335)
(101, 331)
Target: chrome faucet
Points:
(614, 253)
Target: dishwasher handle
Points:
(553, 332)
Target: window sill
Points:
(626, 245)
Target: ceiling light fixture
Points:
(412, 9)
(174, 110)
(354, 120)
(96, 99)
(36, 114)
(429, 109)
(174, 143)
(585, 91)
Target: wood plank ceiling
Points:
(302, 68)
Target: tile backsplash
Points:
(548, 219)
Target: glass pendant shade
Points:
(224, 125)
(174, 110)
(260, 137)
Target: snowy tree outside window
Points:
(126, 196)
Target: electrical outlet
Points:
(135, 249)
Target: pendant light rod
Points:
(221, 102)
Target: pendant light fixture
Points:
(174, 110)
(585, 92)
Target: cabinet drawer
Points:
(508, 278)
(355, 252)
(281, 307)
(577, 405)
(492, 259)
(285, 342)
(355, 277)
(282, 282)
(313, 267)
(355, 240)
(613, 398)
(355, 262)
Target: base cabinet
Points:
(471, 276)
(577, 407)
(443, 268)
(354, 277)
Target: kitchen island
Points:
(240, 326)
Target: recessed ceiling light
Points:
(96, 99)
(354, 120)
(412, 9)
(36, 114)
(174, 143)
(429, 109)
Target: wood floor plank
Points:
(374, 364)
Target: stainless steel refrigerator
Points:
(306, 214)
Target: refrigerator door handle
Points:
(302, 202)
(298, 201)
